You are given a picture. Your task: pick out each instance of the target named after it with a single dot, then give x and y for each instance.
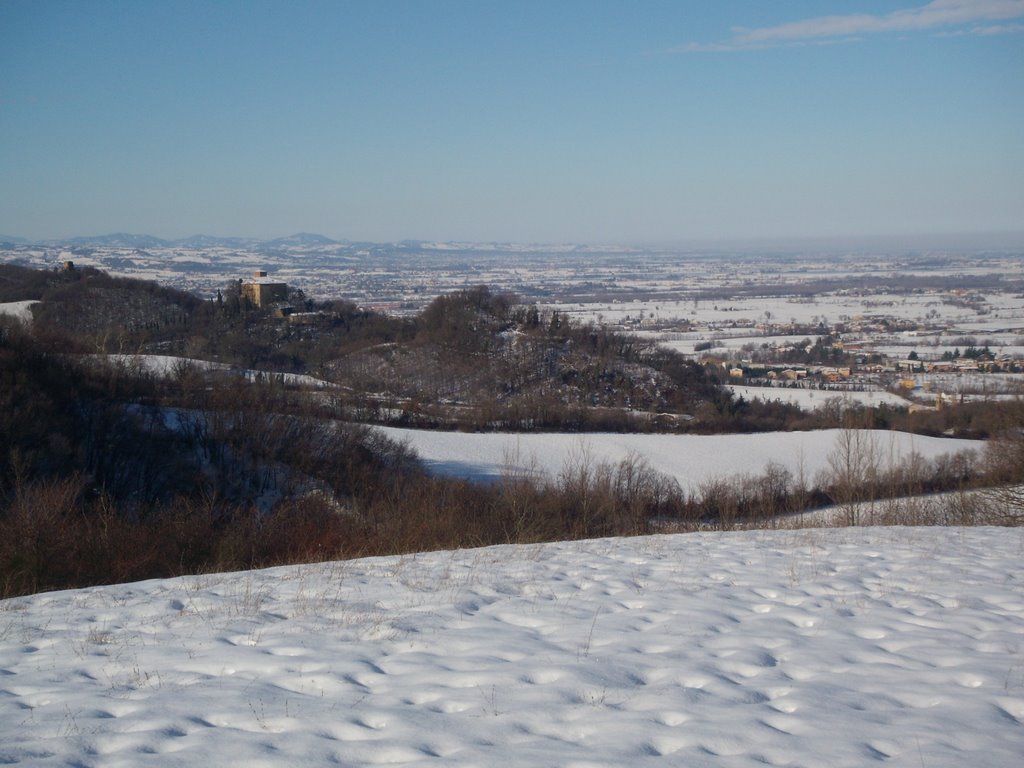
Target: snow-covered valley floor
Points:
(689, 459)
(842, 647)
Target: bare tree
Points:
(854, 465)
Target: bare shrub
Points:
(964, 507)
(37, 542)
(1004, 464)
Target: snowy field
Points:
(690, 459)
(19, 309)
(843, 647)
(1005, 310)
(983, 383)
(686, 343)
(811, 399)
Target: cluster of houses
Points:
(1000, 362)
(783, 373)
(835, 374)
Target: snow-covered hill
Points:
(845, 647)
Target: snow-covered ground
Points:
(845, 647)
(162, 365)
(690, 459)
(978, 383)
(19, 309)
(168, 365)
(810, 399)
(829, 308)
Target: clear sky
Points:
(522, 121)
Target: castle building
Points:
(262, 291)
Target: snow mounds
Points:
(843, 648)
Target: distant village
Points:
(866, 346)
(929, 362)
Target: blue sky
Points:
(550, 121)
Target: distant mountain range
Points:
(302, 238)
(957, 242)
(127, 240)
(309, 240)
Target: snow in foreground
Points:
(833, 648)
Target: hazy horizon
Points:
(894, 242)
